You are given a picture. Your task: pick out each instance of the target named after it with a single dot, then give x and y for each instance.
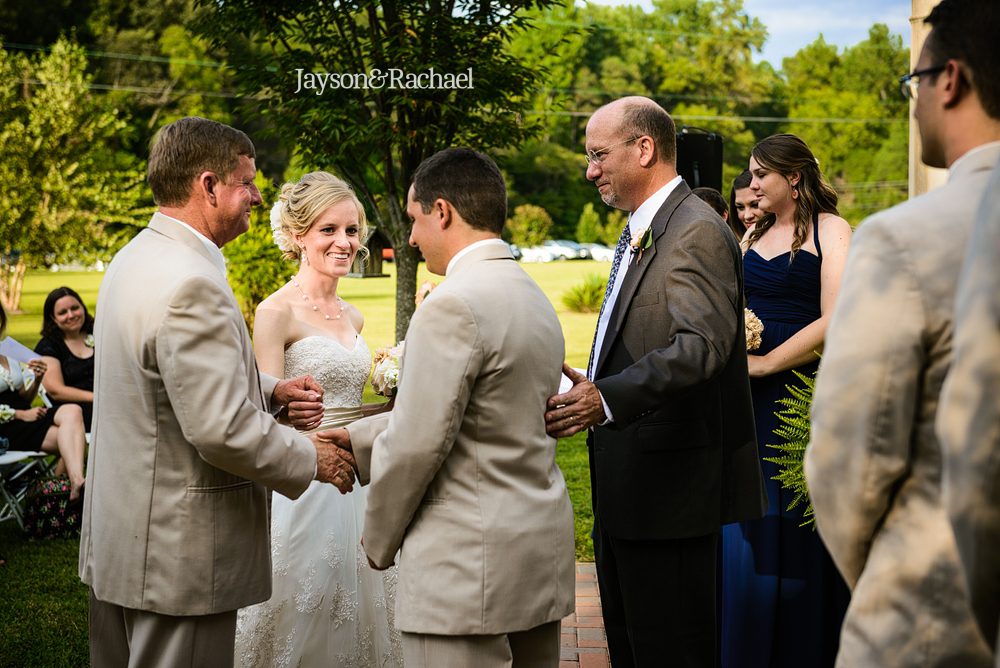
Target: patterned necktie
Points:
(619, 253)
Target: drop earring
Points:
(305, 256)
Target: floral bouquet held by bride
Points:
(385, 372)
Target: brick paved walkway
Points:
(584, 644)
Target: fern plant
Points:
(794, 433)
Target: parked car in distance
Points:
(600, 252)
(566, 250)
(537, 254)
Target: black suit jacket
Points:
(681, 458)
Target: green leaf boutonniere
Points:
(641, 240)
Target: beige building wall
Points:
(922, 177)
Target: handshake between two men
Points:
(302, 399)
(568, 413)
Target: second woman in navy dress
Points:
(782, 598)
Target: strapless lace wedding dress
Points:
(328, 608)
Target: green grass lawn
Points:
(43, 615)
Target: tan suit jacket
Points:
(874, 463)
(175, 518)
(968, 422)
(463, 475)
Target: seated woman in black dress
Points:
(67, 346)
(57, 430)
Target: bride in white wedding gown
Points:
(328, 608)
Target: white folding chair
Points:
(15, 467)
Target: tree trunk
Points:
(11, 284)
(406, 287)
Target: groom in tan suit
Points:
(175, 534)
(463, 475)
(874, 464)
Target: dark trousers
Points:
(658, 599)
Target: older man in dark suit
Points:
(672, 450)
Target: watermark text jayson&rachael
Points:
(391, 78)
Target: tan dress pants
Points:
(534, 648)
(126, 638)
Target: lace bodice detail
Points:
(342, 372)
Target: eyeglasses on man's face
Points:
(598, 156)
(909, 83)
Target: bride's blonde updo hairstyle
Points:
(303, 201)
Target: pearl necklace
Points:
(326, 316)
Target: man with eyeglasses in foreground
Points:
(666, 398)
(874, 464)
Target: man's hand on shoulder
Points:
(576, 410)
(302, 398)
(334, 463)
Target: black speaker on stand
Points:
(699, 157)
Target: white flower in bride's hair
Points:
(281, 239)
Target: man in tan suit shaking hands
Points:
(463, 475)
(175, 534)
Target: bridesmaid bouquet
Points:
(754, 329)
(385, 373)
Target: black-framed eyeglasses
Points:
(598, 156)
(909, 83)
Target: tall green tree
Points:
(64, 180)
(693, 56)
(864, 151)
(529, 226)
(551, 176)
(371, 133)
(256, 266)
(589, 227)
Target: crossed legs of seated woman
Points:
(67, 437)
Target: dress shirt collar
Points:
(215, 253)
(471, 247)
(643, 216)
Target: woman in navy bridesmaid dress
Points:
(783, 600)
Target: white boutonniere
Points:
(89, 341)
(641, 240)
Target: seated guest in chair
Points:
(67, 347)
(56, 430)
